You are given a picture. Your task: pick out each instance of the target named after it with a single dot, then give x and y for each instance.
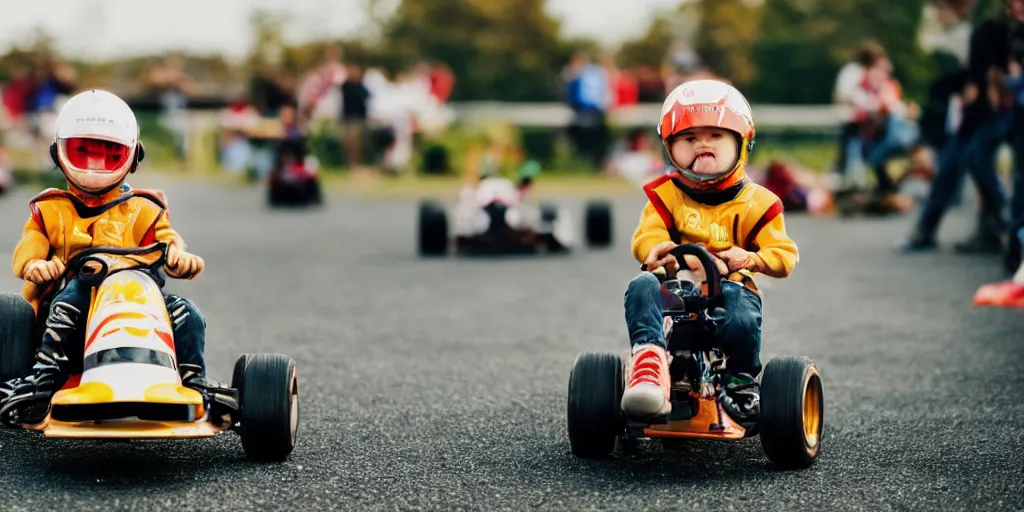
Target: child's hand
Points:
(182, 265)
(738, 258)
(659, 257)
(44, 271)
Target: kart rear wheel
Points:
(599, 224)
(792, 412)
(270, 406)
(238, 376)
(594, 417)
(433, 229)
(316, 195)
(18, 336)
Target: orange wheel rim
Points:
(812, 411)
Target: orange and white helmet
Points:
(96, 143)
(707, 103)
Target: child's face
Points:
(706, 151)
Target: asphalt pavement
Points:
(441, 384)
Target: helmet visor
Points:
(86, 154)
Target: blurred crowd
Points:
(360, 107)
(593, 88)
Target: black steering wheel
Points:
(76, 265)
(714, 276)
(705, 309)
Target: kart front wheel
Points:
(269, 394)
(594, 416)
(792, 412)
(599, 224)
(18, 336)
(433, 233)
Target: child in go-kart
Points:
(708, 132)
(96, 146)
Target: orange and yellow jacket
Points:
(746, 214)
(61, 225)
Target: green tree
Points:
(498, 49)
(729, 29)
(805, 42)
(649, 49)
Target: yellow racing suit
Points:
(62, 224)
(744, 214)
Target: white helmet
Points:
(96, 143)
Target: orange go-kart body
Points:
(709, 421)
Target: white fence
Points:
(557, 114)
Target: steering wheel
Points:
(83, 262)
(714, 276)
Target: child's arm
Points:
(777, 254)
(650, 232)
(34, 245)
(163, 232)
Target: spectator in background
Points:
(683, 62)
(355, 98)
(16, 95)
(174, 87)
(442, 82)
(650, 84)
(855, 104)
(589, 95)
(319, 95)
(987, 118)
(895, 121)
(623, 87)
(55, 81)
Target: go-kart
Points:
(791, 416)
(293, 181)
(493, 218)
(130, 386)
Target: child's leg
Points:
(647, 377)
(189, 331)
(644, 319)
(740, 339)
(63, 338)
(740, 334)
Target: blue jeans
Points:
(739, 336)
(67, 318)
(900, 135)
(977, 155)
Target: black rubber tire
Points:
(598, 223)
(19, 336)
(787, 387)
(594, 416)
(316, 194)
(238, 375)
(269, 403)
(433, 229)
(548, 212)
